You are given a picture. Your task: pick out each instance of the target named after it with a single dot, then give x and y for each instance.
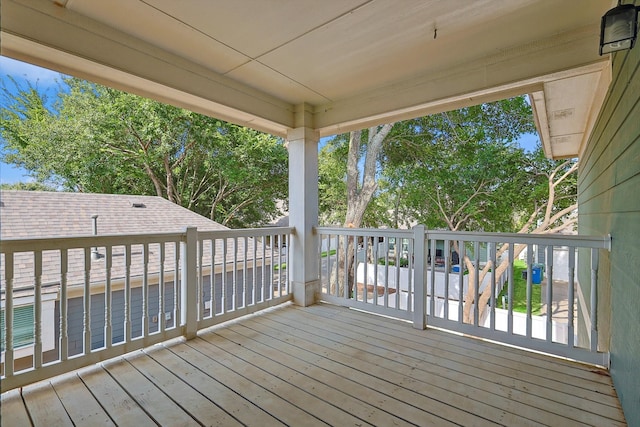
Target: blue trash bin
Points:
(536, 274)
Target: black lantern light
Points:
(619, 28)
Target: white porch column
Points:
(303, 212)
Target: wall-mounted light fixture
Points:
(619, 28)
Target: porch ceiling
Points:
(347, 63)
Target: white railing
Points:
(96, 297)
(432, 277)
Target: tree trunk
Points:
(545, 227)
(359, 195)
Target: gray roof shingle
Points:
(37, 215)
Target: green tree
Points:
(26, 186)
(473, 176)
(96, 139)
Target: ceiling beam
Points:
(515, 71)
(48, 35)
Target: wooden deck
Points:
(321, 365)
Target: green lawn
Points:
(520, 291)
(322, 255)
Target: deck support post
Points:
(188, 284)
(419, 283)
(303, 208)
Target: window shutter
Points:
(23, 326)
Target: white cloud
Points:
(26, 71)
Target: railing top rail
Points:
(374, 232)
(75, 242)
(597, 242)
(244, 232)
(585, 241)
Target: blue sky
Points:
(22, 72)
(45, 78)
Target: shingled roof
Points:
(38, 214)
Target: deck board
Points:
(443, 396)
(338, 371)
(152, 400)
(236, 405)
(12, 409)
(80, 405)
(511, 380)
(122, 409)
(300, 386)
(189, 399)
(44, 407)
(259, 387)
(322, 365)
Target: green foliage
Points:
(100, 140)
(27, 186)
(404, 262)
(324, 254)
(459, 170)
(472, 176)
(520, 291)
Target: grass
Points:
(324, 254)
(404, 262)
(520, 291)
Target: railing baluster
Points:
(461, 290)
(263, 270)
(571, 298)
(549, 296)
(177, 293)
(254, 274)
(476, 283)
(145, 290)
(108, 340)
(223, 293)
(529, 289)
(280, 262)
(419, 256)
(593, 306)
(212, 279)
(411, 281)
(447, 269)
(87, 301)
(365, 246)
(200, 278)
(234, 288)
(374, 251)
(127, 294)
(37, 305)
(8, 314)
(398, 242)
(491, 250)
(432, 279)
(510, 290)
(64, 304)
(386, 273)
(161, 289)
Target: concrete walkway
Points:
(560, 304)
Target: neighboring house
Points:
(30, 215)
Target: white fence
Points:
(97, 297)
(441, 290)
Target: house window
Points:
(23, 327)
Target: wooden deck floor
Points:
(321, 365)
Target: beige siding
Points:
(609, 197)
